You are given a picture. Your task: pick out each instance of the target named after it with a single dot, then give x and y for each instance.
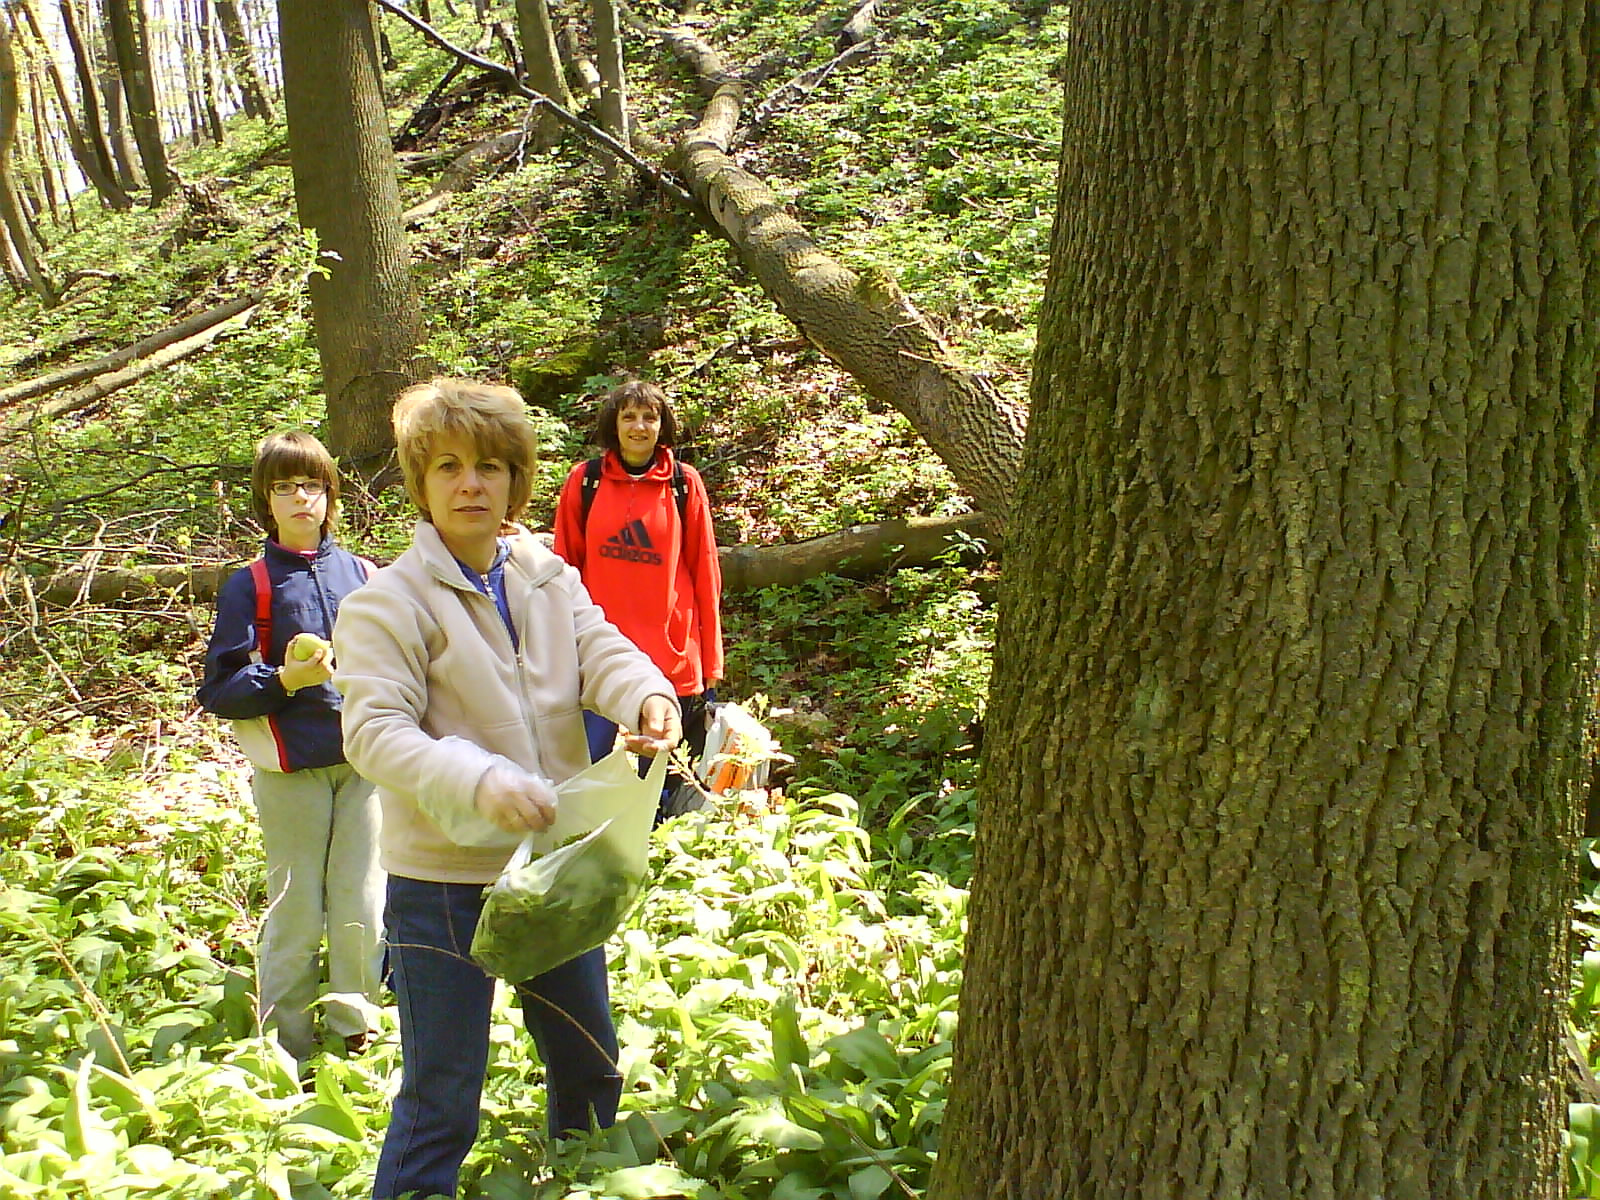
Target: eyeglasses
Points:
(288, 487)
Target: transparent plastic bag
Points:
(566, 890)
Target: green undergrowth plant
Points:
(784, 1031)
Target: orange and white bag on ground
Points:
(739, 751)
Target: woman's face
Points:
(638, 430)
(468, 493)
(298, 512)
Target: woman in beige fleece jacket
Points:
(465, 668)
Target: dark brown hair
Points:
(283, 456)
(633, 393)
(490, 416)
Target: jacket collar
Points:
(528, 558)
(273, 550)
(612, 467)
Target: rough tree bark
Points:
(365, 309)
(1278, 773)
(131, 45)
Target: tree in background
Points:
(1272, 862)
(242, 61)
(18, 234)
(130, 43)
(542, 63)
(365, 308)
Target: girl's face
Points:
(299, 508)
(468, 494)
(638, 430)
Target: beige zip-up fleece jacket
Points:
(434, 695)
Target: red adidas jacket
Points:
(656, 577)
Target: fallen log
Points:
(856, 553)
(188, 327)
(104, 385)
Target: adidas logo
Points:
(631, 543)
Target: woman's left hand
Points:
(660, 727)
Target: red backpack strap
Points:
(263, 582)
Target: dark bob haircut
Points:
(283, 456)
(633, 393)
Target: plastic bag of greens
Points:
(548, 908)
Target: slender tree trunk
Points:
(49, 162)
(1275, 836)
(92, 159)
(10, 210)
(613, 84)
(209, 62)
(123, 152)
(131, 45)
(366, 313)
(242, 59)
(542, 63)
(93, 132)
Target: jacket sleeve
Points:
(617, 677)
(700, 545)
(233, 685)
(570, 542)
(381, 647)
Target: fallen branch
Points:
(44, 384)
(577, 124)
(482, 154)
(857, 552)
(864, 322)
(104, 385)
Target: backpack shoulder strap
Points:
(591, 485)
(263, 585)
(680, 491)
(367, 565)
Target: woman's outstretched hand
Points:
(660, 727)
(515, 800)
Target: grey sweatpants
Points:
(320, 830)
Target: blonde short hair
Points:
(493, 418)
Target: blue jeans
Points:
(444, 1000)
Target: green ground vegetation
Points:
(787, 990)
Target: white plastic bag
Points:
(739, 751)
(566, 890)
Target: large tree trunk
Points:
(367, 318)
(1272, 858)
(131, 44)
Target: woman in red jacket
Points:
(636, 524)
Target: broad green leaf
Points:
(647, 1183)
(869, 1183)
(789, 1047)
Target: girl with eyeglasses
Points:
(267, 670)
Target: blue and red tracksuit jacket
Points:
(279, 732)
